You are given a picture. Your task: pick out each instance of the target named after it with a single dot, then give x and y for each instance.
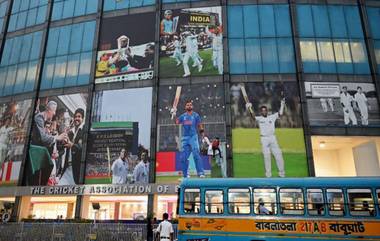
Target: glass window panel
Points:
(377, 53)
(374, 20)
(235, 22)
(76, 38)
(109, 5)
(192, 201)
(3, 8)
(34, 4)
(92, 7)
(32, 16)
(88, 36)
(43, 2)
(343, 57)
(253, 56)
(20, 78)
(36, 46)
(85, 68)
(64, 40)
(353, 22)
(321, 21)
(265, 201)
(15, 54)
(21, 20)
(149, 2)
(251, 22)
(283, 24)
(337, 21)
(7, 52)
(269, 55)
(214, 201)
(26, 47)
(1, 25)
(239, 201)
(326, 56)
(16, 6)
(122, 4)
(292, 201)
(31, 76)
(57, 10)
(59, 71)
(309, 56)
(361, 202)
(315, 202)
(305, 21)
(266, 18)
(335, 202)
(3, 76)
(237, 57)
(48, 73)
(12, 23)
(41, 15)
(80, 7)
(9, 82)
(72, 70)
(68, 8)
(286, 55)
(51, 49)
(135, 3)
(359, 57)
(24, 5)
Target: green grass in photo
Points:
(168, 66)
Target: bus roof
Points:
(333, 182)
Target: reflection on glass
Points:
(192, 201)
(214, 202)
(335, 202)
(265, 201)
(239, 201)
(315, 204)
(292, 201)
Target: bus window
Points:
(239, 201)
(214, 202)
(315, 204)
(265, 201)
(361, 202)
(292, 201)
(191, 203)
(335, 202)
(378, 198)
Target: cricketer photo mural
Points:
(342, 104)
(14, 122)
(191, 42)
(267, 134)
(56, 144)
(118, 147)
(191, 135)
(126, 48)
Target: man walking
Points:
(165, 229)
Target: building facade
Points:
(93, 95)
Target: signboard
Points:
(325, 90)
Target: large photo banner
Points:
(56, 145)
(342, 104)
(191, 135)
(119, 138)
(126, 48)
(191, 42)
(267, 134)
(14, 121)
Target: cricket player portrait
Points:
(347, 102)
(191, 125)
(362, 104)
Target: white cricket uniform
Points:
(119, 171)
(269, 144)
(141, 172)
(190, 52)
(177, 55)
(217, 50)
(165, 228)
(349, 115)
(362, 101)
(324, 104)
(196, 51)
(331, 104)
(5, 137)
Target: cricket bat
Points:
(176, 99)
(245, 96)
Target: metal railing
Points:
(74, 232)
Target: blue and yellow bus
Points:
(279, 209)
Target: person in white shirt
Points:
(120, 168)
(346, 100)
(268, 139)
(177, 54)
(5, 139)
(331, 104)
(324, 104)
(262, 209)
(141, 171)
(190, 53)
(217, 48)
(363, 105)
(165, 229)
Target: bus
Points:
(261, 209)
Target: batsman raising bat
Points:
(191, 124)
(268, 138)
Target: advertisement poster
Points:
(191, 42)
(14, 118)
(342, 104)
(126, 48)
(118, 150)
(191, 132)
(56, 146)
(267, 134)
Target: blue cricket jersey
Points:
(168, 26)
(189, 123)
